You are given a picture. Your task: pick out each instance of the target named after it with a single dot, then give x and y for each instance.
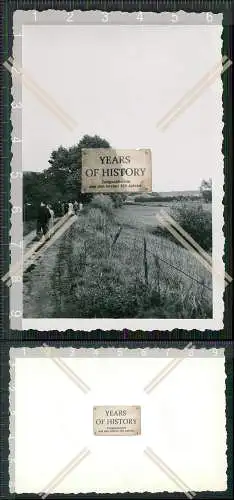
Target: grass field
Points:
(107, 272)
(139, 216)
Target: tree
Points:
(66, 164)
(206, 190)
(62, 180)
(33, 193)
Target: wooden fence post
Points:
(85, 253)
(115, 239)
(157, 266)
(145, 263)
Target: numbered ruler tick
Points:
(117, 420)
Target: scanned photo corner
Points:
(117, 220)
(141, 412)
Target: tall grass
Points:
(195, 219)
(104, 203)
(105, 272)
(197, 222)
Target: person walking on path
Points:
(70, 208)
(76, 206)
(43, 219)
(66, 207)
(62, 209)
(51, 220)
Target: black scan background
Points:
(95, 339)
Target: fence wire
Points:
(176, 268)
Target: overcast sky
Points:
(118, 82)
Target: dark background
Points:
(114, 338)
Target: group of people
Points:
(45, 218)
(70, 207)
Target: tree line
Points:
(61, 182)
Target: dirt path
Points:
(39, 299)
(38, 291)
(30, 237)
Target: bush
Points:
(96, 219)
(118, 199)
(143, 199)
(197, 222)
(207, 196)
(103, 203)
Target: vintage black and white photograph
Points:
(139, 257)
